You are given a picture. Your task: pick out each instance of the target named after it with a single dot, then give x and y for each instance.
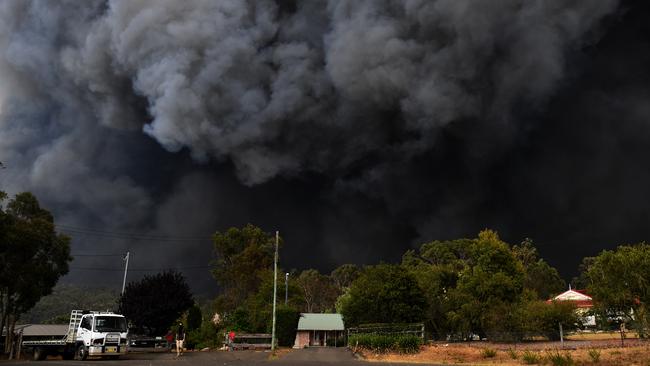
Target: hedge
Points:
(381, 343)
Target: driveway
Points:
(319, 354)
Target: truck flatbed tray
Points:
(45, 342)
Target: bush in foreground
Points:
(558, 359)
(594, 354)
(531, 358)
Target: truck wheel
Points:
(82, 353)
(39, 354)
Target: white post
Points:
(275, 287)
(126, 268)
(561, 336)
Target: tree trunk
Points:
(9, 339)
(3, 313)
(308, 298)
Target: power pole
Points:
(126, 268)
(275, 287)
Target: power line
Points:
(124, 235)
(130, 235)
(95, 255)
(109, 269)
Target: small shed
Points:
(319, 330)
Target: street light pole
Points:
(275, 287)
(126, 268)
(286, 288)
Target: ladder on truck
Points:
(75, 319)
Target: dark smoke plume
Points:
(358, 128)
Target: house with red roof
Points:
(582, 301)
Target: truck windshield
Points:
(110, 324)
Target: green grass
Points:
(513, 353)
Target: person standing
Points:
(169, 338)
(180, 338)
(231, 340)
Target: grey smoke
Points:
(241, 81)
(347, 90)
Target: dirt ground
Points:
(609, 351)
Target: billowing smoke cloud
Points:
(359, 127)
(266, 89)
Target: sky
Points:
(358, 129)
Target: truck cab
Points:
(101, 334)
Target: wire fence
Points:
(551, 338)
(416, 329)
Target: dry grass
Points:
(473, 354)
(589, 336)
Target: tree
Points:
(437, 266)
(492, 281)
(287, 324)
(540, 276)
(618, 282)
(449, 252)
(383, 294)
(155, 302)
(542, 318)
(344, 275)
(33, 256)
(241, 256)
(582, 281)
(193, 322)
(319, 293)
(194, 318)
(254, 315)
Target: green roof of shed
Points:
(311, 321)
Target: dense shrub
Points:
(238, 320)
(543, 318)
(286, 325)
(194, 318)
(408, 343)
(207, 335)
(381, 343)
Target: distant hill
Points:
(55, 308)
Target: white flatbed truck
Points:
(90, 334)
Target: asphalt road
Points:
(309, 356)
(312, 356)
